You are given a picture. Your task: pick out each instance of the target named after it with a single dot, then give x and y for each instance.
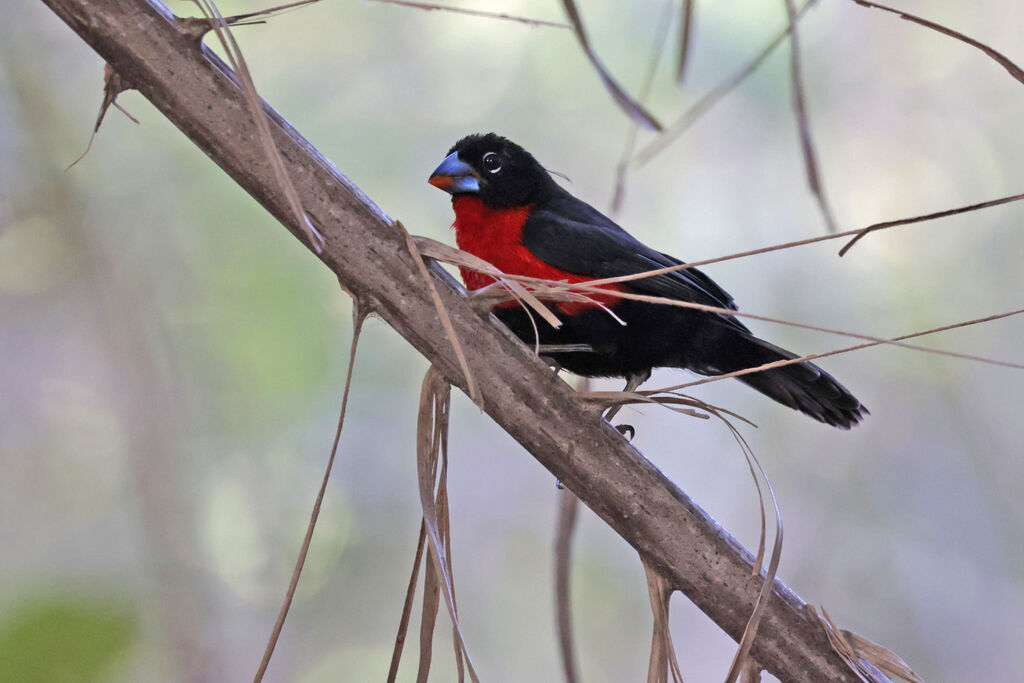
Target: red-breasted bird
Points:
(511, 212)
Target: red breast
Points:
(495, 235)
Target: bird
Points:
(511, 212)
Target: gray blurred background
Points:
(171, 359)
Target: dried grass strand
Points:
(866, 658)
(657, 51)
(857, 347)
(358, 316)
(685, 38)
(712, 98)
(663, 661)
(429, 6)
(999, 57)
(630, 106)
(442, 314)
(410, 595)
(237, 61)
(432, 421)
(863, 232)
(740, 660)
(778, 321)
(810, 156)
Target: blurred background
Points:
(172, 360)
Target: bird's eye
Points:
(491, 162)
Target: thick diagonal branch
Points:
(145, 45)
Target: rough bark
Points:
(198, 93)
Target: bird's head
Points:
(494, 169)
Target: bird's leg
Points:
(633, 382)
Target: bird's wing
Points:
(577, 238)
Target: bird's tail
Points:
(801, 386)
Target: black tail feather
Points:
(800, 386)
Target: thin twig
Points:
(816, 356)
(429, 6)
(358, 316)
(706, 103)
(917, 219)
(999, 57)
(660, 41)
(804, 123)
(634, 109)
(685, 36)
(541, 286)
(857, 233)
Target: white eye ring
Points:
(491, 158)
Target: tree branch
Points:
(198, 93)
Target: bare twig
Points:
(706, 103)
(659, 43)
(803, 121)
(999, 57)
(860, 234)
(429, 6)
(358, 315)
(685, 36)
(816, 356)
(625, 102)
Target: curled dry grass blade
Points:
(740, 660)
(442, 314)
(432, 425)
(717, 94)
(429, 6)
(867, 658)
(113, 85)
(259, 116)
(410, 595)
(440, 251)
(358, 316)
(625, 102)
(663, 660)
(803, 121)
(999, 57)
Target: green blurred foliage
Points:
(65, 639)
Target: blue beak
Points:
(455, 176)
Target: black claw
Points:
(622, 429)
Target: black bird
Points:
(511, 212)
